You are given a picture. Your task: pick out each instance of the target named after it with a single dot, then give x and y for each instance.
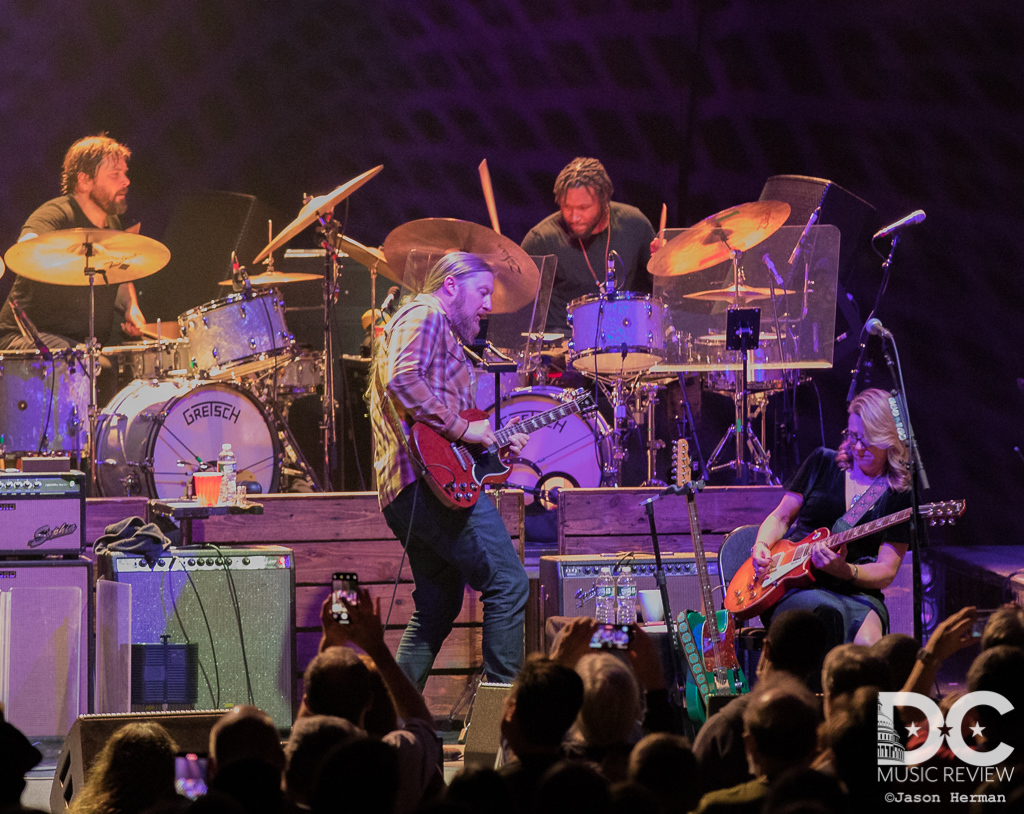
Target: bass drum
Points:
(564, 455)
(154, 435)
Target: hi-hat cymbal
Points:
(516, 277)
(320, 205)
(713, 240)
(277, 278)
(367, 255)
(59, 258)
(746, 294)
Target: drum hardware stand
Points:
(328, 428)
(292, 454)
(503, 364)
(620, 426)
(743, 334)
(93, 351)
(646, 394)
(690, 429)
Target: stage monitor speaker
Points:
(567, 581)
(899, 598)
(89, 733)
(46, 619)
(205, 228)
(483, 729)
(246, 650)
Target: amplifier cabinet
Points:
(567, 581)
(46, 620)
(237, 604)
(42, 514)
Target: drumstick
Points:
(664, 218)
(485, 182)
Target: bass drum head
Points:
(155, 434)
(567, 454)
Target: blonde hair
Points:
(453, 264)
(874, 409)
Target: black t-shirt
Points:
(61, 309)
(631, 236)
(823, 487)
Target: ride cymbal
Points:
(277, 278)
(59, 258)
(712, 240)
(516, 276)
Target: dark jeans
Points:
(449, 549)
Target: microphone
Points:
(771, 267)
(609, 279)
(803, 235)
(239, 276)
(917, 216)
(389, 301)
(29, 330)
(875, 328)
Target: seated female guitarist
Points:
(870, 464)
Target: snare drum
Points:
(722, 367)
(149, 360)
(566, 454)
(620, 335)
(300, 375)
(237, 336)
(44, 406)
(154, 434)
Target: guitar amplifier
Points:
(567, 581)
(42, 514)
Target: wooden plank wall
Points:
(331, 532)
(596, 521)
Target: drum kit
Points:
(230, 369)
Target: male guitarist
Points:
(866, 479)
(421, 374)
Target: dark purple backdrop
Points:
(917, 104)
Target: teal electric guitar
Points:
(708, 637)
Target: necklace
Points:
(607, 248)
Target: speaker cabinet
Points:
(190, 731)
(567, 581)
(899, 598)
(236, 604)
(483, 729)
(46, 619)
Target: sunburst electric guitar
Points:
(709, 637)
(457, 471)
(750, 594)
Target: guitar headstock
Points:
(682, 466)
(944, 512)
(583, 399)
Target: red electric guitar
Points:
(750, 595)
(456, 471)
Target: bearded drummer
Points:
(94, 183)
(587, 231)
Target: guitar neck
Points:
(537, 422)
(836, 540)
(710, 618)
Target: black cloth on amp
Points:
(62, 310)
(631, 236)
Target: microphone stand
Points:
(886, 268)
(918, 476)
(328, 427)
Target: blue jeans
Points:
(449, 549)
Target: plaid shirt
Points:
(429, 379)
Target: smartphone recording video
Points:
(612, 637)
(190, 775)
(343, 585)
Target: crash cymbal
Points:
(59, 258)
(746, 293)
(320, 205)
(711, 241)
(277, 278)
(516, 277)
(367, 255)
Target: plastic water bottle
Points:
(625, 612)
(604, 599)
(228, 468)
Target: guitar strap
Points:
(862, 505)
(693, 658)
